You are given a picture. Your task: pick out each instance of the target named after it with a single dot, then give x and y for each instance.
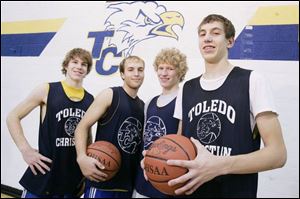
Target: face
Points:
(133, 74)
(167, 75)
(213, 43)
(76, 69)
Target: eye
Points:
(147, 20)
(202, 34)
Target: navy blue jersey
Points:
(159, 122)
(220, 120)
(122, 125)
(56, 141)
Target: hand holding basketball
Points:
(203, 168)
(108, 155)
(171, 146)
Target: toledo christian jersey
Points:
(122, 125)
(56, 141)
(220, 120)
(159, 122)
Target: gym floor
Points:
(5, 196)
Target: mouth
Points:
(164, 79)
(136, 80)
(78, 73)
(208, 47)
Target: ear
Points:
(230, 42)
(122, 75)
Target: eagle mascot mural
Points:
(135, 22)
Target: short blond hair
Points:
(132, 58)
(173, 57)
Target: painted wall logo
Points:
(28, 38)
(271, 34)
(128, 25)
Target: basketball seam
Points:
(106, 154)
(151, 156)
(178, 145)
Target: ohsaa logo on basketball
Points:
(155, 170)
(103, 161)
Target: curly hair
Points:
(173, 57)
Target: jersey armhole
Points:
(109, 114)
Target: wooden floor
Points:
(5, 196)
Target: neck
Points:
(215, 70)
(167, 91)
(75, 84)
(132, 92)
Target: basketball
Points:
(108, 154)
(167, 147)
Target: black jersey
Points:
(56, 141)
(122, 125)
(220, 120)
(159, 122)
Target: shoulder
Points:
(42, 89)
(39, 93)
(257, 78)
(108, 92)
(104, 97)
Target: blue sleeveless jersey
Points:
(159, 122)
(220, 120)
(122, 125)
(56, 141)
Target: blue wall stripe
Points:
(31, 44)
(271, 42)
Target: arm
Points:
(87, 164)
(31, 156)
(207, 166)
(179, 131)
(273, 153)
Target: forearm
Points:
(265, 159)
(81, 139)
(16, 132)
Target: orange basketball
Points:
(108, 154)
(170, 146)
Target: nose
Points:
(164, 71)
(208, 38)
(136, 72)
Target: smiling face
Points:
(76, 69)
(133, 74)
(213, 44)
(168, 76)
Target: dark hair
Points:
(228, 26)
(82, 54)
